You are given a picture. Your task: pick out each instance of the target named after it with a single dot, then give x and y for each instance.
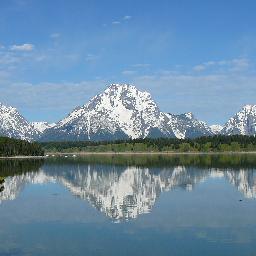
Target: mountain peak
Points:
(13, 124)
(243, 122)
(120, 112)
(216, 128)
(187, 126)
(41, 126)
(6, 107)
(120, 89)
(189, 115)
(123, 86)
(249, 108)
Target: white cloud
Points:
(55, 35)
(209, 63)
(22, 47)
(237, 64)
(40, 58)
(127, 17)
(141, 65)
(49, 98)
(4, 74)
(128, 72)
(116, 22)
(8, 58)
(91, 57)
(206, 95)
(167, 72)
(199, 68)
(213, 97)
(221, 62)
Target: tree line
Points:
(16, 147)
(218, 143)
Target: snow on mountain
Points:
(42, 126)
(216, 128)
(120, 112)
(187, 126)
(13, 124)
(243, 123)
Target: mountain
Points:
(216, 128)
(41, 126)
(187, 126)
(13, 124)
(242, 123)
(123, 112)
(120, 112)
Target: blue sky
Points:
(196, 56)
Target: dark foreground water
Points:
(155, 205)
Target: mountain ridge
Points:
(243, 122)
(122, 111)
(14, 125)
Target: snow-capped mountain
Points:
(42, 126)
(243, 123)
(216, 128)
(187, 126)
(120, 112)
(123, 112)
(13, 124)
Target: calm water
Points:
(187, 205)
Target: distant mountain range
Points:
(122, 112)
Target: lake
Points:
(129, 205)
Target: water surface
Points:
(129, 205)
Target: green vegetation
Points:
(14, 147)
(236, 143)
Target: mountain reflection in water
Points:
(125, 187)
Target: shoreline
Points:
(22, 157)
(51, 154)
(60, 154)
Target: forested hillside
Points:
(15, 147)
(203, 144)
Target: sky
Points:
(192, 56)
